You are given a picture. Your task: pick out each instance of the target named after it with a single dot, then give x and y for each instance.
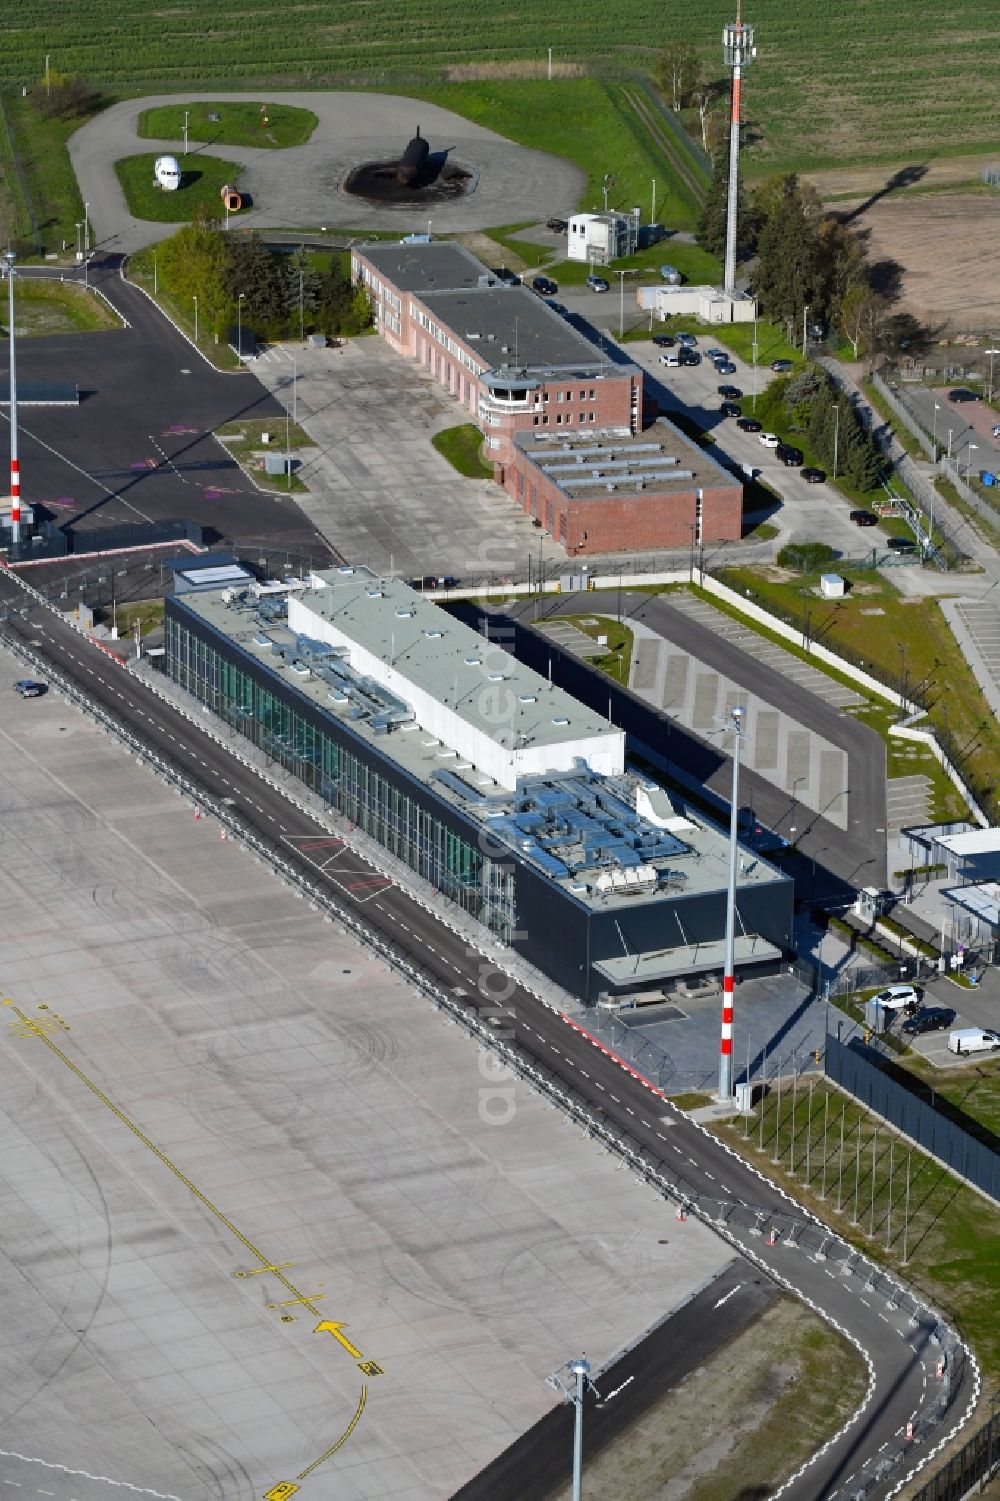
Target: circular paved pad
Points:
(303, 185)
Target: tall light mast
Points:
(15, 471)
(738, 50)
(729, 963)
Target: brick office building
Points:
(529, 378)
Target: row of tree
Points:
(275, 295)
(836, 435)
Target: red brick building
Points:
(534, 383)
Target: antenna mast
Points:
(738, 50)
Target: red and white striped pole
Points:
(738, 50)
(728, 982)
(15, 468)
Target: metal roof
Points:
(592, 464)
(434, 266)
(973, 842)
(513, 328)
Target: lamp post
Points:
(79, 254)
(86, 229)
(836, 436)
(937, 408)
(754, 350)
(968, 468)
(186, 114)
(15, 468)
(991, 352)
(302, 309)
(901, 647)
(950, 433)
(239, 326)
(572, 1380)
(621, 275)
(154, 273)
(805, 330)
(194, 299)
(652, 212)
(728, 981)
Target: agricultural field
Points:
(830, 84)
(270, 126)
(202, 181)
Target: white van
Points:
(973, 1040)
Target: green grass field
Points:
(827, 86)
(460, 446)
(52, 307)
(239, 124)
(202, 179)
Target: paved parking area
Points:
(328, 1121)
(573, 640)
(907, 802)
(378, 490)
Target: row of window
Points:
(344, 779)
(563, 418)
(440, 336)
(376, 287)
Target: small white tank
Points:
(167, 173)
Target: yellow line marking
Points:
(341, 1440)
(266, 1264)
(329, 1327)
(257, 1270)
(281, 1491)
(316, 1297)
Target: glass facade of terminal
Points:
(358, 785)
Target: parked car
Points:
(671, 359)
(782, 366)
(716, 354)
(928, 1019)
(900, 544)
(28, 688)
(813, 476)
(731, 409)
(789, 456)
(750, 425)
(732, 393)
(725, 367)
(688, 339)
(598, 284)
(664, 341)
(544, 285)
(996, 430)
(962, 393)
(768, 440)
(974, 1040)
(864, 518)
(559, 225)
(690, 356)
(904, 998)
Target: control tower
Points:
(739, 51)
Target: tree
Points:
(805, 557)
(192, 263)
(788, 277)
(64, 97)
(705, 96)
(252, 270)
(677, 73)
(861, 317)
(302, 288)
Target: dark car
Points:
(731, 409)
(928, 1019)
(28, 688)
(813, 476)
(864, 518)
(725, 367)
(544, 285)
(690, 356)
(789, 456)
(781, 366)
(559, 225)
(750, 425)
(731, 393)
(664, 341)
(900, 544)
(962, 393)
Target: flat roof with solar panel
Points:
(593, 465)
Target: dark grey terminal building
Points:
(504, 792)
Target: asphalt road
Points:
(896, 1333)
(533, 1467)
(139, 445)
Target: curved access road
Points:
(303, 185)
(923, 1382)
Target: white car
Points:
(768, 440)
(996, 429)
(673, 360)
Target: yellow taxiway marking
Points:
(288, 1302)
(279, 1266)
(367, 1367)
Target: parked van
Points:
(974, 1040)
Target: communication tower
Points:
(739, 51)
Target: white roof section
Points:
(501, 716)
(983, 900)
(209, 578)
(973, 842)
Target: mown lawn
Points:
(460, 446)
(202, 179)
(239, 124)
